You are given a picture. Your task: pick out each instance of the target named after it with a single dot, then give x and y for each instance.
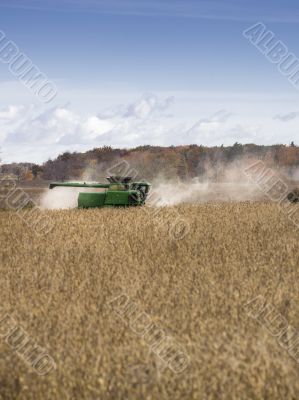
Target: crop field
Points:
(127, 304)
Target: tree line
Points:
(183, 162)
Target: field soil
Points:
(67, 286)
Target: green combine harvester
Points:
(120, 191)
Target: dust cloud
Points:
(226, 184)
(59, 198)
(165, 194)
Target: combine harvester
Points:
(120, 191)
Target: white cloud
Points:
(208, 129)
(34, 133)
(148, 105)
(10, 113)
(59, 128)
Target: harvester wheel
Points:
(142, 196)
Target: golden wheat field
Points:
(76, 290)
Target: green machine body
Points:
(119, 191)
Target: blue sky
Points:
(145, 72)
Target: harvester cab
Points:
(120, 191)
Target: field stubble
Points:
(59, 288)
